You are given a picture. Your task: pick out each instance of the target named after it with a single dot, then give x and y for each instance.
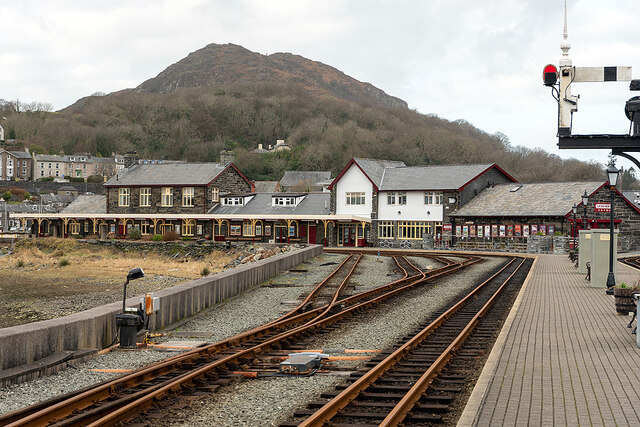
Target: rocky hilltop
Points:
(219, 65)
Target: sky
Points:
(457, 59)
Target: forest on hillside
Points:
(324, 132)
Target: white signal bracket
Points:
(567, 103)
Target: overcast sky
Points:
(458, 59)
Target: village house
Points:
(405, 204)
(15, 165)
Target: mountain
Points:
(225, 97)
(216, 66)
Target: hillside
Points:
(227, 97)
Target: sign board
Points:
(446, 227)
(603, 207)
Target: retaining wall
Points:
(96, 328)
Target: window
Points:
(355, 198)
(284, 201)
(86, 226)
(167, 197)
(258, 230)
(232, 201)
(144, 227)
(215, 194)
(188, 227)
(124, 195)
(24, 163)
(391, 198)
(432, 198)
(145, 196)
(247, 228)
(235, 230)
(187, 197)
(74, 228)
(385, 230)
(24, 172)
(412, 229)
(402, 197)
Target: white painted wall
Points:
(414, 210)
(353, 181)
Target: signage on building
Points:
(446, 227)
(603, 207)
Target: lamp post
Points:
(585, 202)
(574, 209)
(129, 323)
(612, 175)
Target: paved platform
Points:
(564, 358)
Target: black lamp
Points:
(612, 175)
(134, 273)
(585, 202)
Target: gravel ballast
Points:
(273, 400)
(372, 330)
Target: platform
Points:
(564, 357)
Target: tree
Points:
(7, 196)
(629, 179)
(26, 196)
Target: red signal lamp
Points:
(550, 75)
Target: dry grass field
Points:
(47, 278)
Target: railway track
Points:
(408, 384)
(204, 369)
(632, 262)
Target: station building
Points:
(405, 204)
(507, 215)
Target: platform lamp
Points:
(585, 202)
(129, 323)
(574, 209)
(612, 176)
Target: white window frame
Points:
(188, 197)
(145, 197)
(215, 194)
(167, 197)
(391, 198)
(124, 196)
(355, 198)
(402, 197)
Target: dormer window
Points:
(233, 201)
(284, 201)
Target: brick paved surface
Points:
(568, 359)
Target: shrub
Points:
(20, 263)
(134, 233)
(205, 271)
(170, 236)
(7, 196)
(63, 262)
(156, 238)
(186, 238)
(76, 179)
(46, 179)
(27, 196)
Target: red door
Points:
(312, 234)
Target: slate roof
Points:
(167, 174)
(49, 158)
(312, 204)
(266, 186)
(375, 169)
(20, 154)
(449, 177)
(536, 199)
(291, 178)
(87, 203)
